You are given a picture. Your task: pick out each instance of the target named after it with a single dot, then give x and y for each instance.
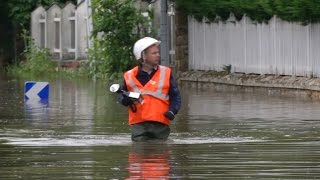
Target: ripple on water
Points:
(110, 140)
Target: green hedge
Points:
(117, 26)
(304, 11)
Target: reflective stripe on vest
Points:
(158, 93)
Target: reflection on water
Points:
(149, 161)
(82, 133)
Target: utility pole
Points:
(165, 38)
(164, 34)
(172, 37)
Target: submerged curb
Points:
(308, 86)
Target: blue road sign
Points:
(36, 90)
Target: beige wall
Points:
(68, 32)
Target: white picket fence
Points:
(277, 47)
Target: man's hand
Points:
(126, 101)
(169, 115)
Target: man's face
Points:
(152, 55)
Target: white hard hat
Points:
(143, 44)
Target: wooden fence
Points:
(277, 47)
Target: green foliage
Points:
(20, 10)
(117, 25)
(304, 11)
(227, 68)
(73, 73)
(14, 16)
(38, 62)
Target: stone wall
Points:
(290, 86)
(181, 41)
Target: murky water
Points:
(219, 134)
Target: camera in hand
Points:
(130, 94)
(116, 89)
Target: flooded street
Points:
(82, 133)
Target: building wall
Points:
(54, 31)
(82, 33)
(67, 30)
(36, 16)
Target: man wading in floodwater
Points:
(150, 116)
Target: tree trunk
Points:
(6, 44)
(18, 44)
(181, 40)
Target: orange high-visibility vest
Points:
(155, 98)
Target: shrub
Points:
(37, 61)
(117, 25)
(304, 11)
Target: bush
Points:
(37, 61)
(117, 25)
(304, 11)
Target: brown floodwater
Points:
(82, 133)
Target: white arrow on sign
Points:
(34, 91)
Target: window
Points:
(73, 34)
(42, 35)
(57, 34)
